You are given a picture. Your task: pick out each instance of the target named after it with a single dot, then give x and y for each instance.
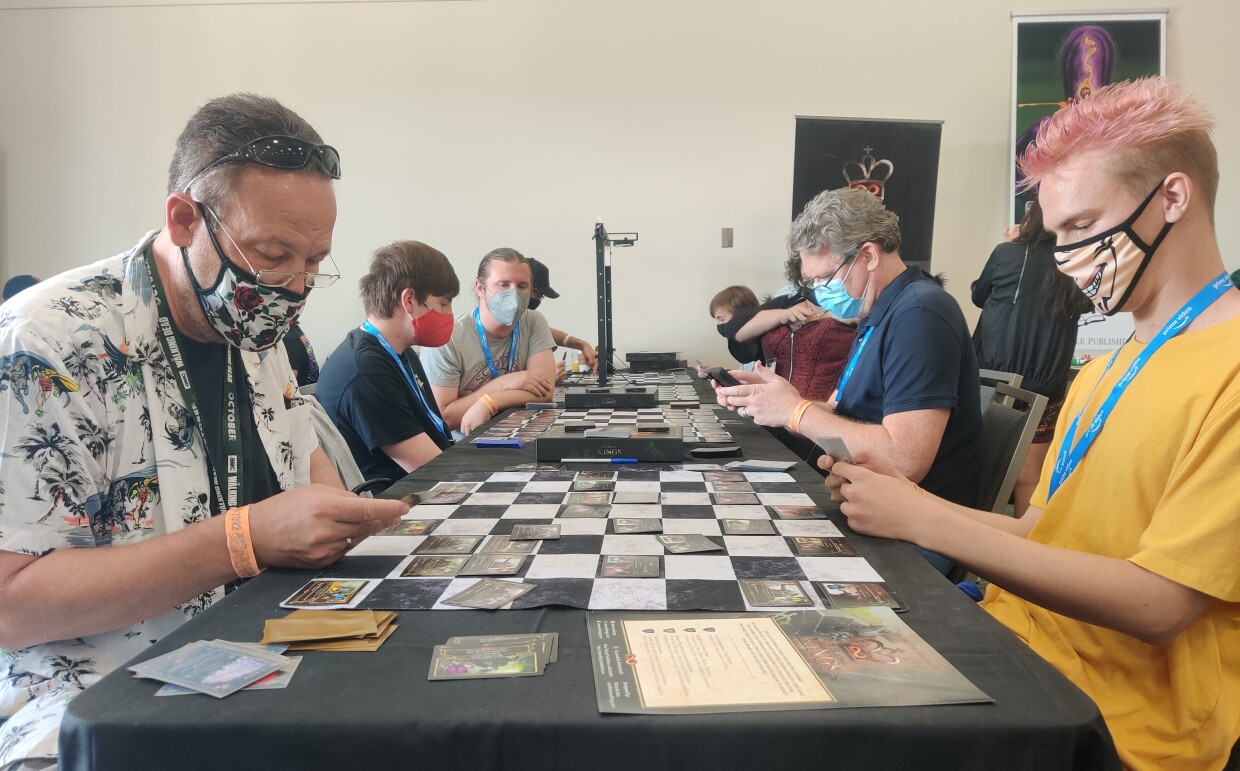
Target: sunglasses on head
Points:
(279, 152)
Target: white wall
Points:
(471, 125)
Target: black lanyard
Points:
(230, 431)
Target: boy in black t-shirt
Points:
(373, 387)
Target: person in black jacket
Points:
(1028, 326)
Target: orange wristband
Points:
(240, 547)
(798, 412)
(490, 403)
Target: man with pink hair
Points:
(1124, 573)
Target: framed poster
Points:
(1058, 59)
(896, 160)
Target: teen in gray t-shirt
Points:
(461, 363)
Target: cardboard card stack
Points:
(331, 630)
(217, 668)
(505, 655)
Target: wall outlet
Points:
(726, 240)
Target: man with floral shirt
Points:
(145, 394)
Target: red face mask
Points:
(433, 329)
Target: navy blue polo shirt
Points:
(920, 357)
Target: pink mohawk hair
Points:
(1150, 117)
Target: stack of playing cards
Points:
(218, 668)
(331, 630)
(509, 655)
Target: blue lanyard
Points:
(852, 364)
(486, 347)
(1071, 455)
(400, 364)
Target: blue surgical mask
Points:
(833, 297)
(508, 306)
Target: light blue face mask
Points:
(834, 298)
(508, 306)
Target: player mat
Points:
(575, 569)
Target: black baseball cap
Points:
(542, 278)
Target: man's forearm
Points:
(818, 422)
(79, 592)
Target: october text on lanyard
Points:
(371, 329)
(486, 347)
(1070, 455)
(230, 435)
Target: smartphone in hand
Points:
(721, 376)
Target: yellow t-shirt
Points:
(1160, 487)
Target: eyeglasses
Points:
(278, 152)
(271, 278)
(810, 283)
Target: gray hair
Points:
(220, 127)
(843, 221)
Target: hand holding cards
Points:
(835, 447)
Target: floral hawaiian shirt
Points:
(98, 449)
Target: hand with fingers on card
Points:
(762, 395)
(875, 497)
(314, 525)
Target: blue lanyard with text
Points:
(1070, 455)
(486, 347)
(400, 364)
(852, 364)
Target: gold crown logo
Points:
(865, 175)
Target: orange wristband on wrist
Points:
(794, 422)
(240, 547)
(490, 403)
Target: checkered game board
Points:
(568, 570)
(672, 386)
(700, 425)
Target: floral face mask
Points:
(249, 315)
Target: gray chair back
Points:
(334, 445)
(1009, 422)
(1008, 425)
(989, 378)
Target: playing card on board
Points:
(434, 566)
(817, 546)
(684, 544)
(628, 566)
(489, 593)
(328, 593)
(448, 544)
(861, 594)
(775, 593)
(493, 565)
(747, 527)
(535, 532)
(503, 544)
(621, 525)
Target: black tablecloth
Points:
(378, 710)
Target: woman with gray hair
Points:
(909, 389)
